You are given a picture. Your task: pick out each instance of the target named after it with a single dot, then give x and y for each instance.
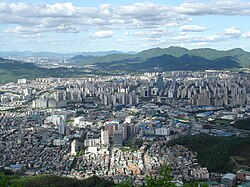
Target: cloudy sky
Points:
(131, 25)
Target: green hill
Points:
(52, 181)
(187, 62)
(243, 124)
(216, 153)
(172, 63)
(241, 57)
(11, 70)
(155, 52)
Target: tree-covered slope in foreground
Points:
(52, 181)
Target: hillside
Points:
(11, 70)
(241, 57)
(81, 57)
(217, 153)
(243, 124)
(188, 62)
(52, 180)
(172, 63)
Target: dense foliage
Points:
(216, 152)
(51, 181)
(243, 124)
(164, 179)
(186, 62)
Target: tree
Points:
(195, 184)
(124, 184)
(3, 180)
(164, 179)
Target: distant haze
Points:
(51, 54)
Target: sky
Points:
(132, 25)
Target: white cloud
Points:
(200, 39)
(150, 39)
(152, 33)
(145, 23)
(192, 28)
(65, 28)
(220, 7)
(120, 40)
(143, 15)
(24, 30)
(233, 31)
(106, 9)
(229, 33)
(102, 34)
(53, 16)
(246, 35)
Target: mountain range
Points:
(241, 57)
(51, 54)
(11, 70)
(156, 59)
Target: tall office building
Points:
(62, 127)
(110, 128)
(118, 138)
(159, 82)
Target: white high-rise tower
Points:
(73, 147)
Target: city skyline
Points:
(62, 26)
